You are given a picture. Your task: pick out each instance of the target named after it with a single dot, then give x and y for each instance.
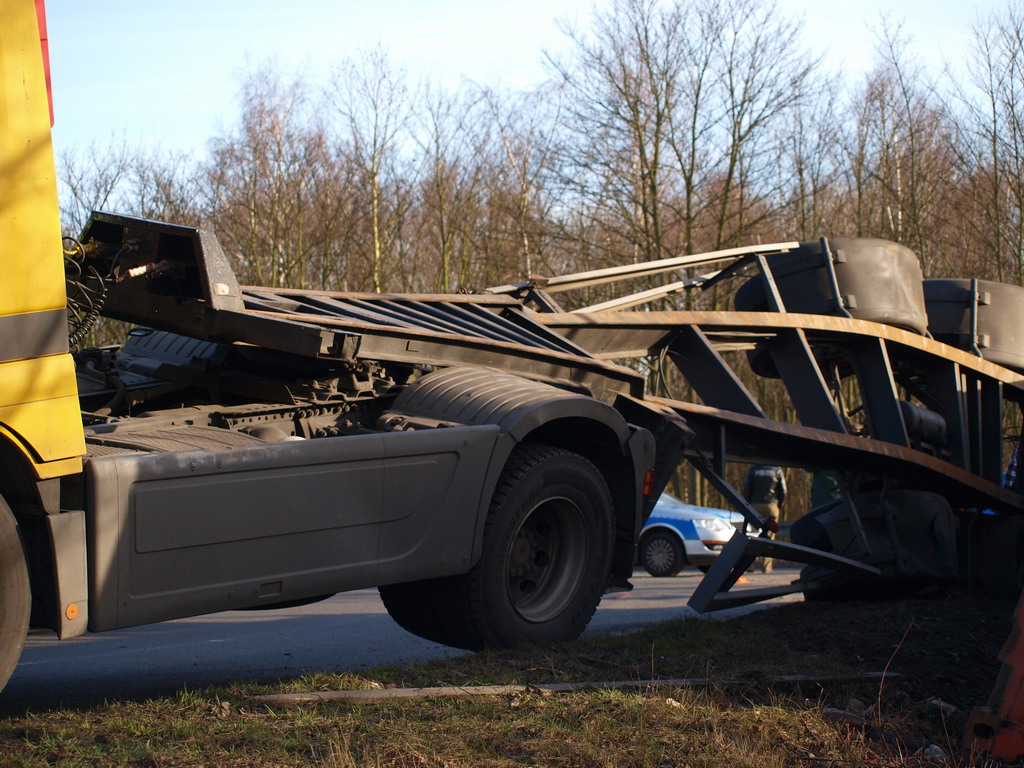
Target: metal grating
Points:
(491, 319)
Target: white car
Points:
(679, 534)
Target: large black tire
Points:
(15, 599)
(546, 557)
(662, 553)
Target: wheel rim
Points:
(659, 554)
(547, 559)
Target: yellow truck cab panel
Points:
(39, 408)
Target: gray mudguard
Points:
(192, 532)
(528, 410)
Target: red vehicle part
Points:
(998, 727)
(44, 45)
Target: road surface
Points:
(348, 632)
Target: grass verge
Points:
(943, 651)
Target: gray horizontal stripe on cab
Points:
(33, 334)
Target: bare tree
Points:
(695, 117)
(155, 184)
(765, 80)
(520, 163)
(618, 87)
(991, 131)
(267, 185)
(674, 118)
(373, 101)
(447, 133)
(900, 154)
(92, 179)
(167, 188)
(810, 167)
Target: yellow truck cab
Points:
(41, 436)
(39, 414)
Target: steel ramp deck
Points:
(431, 329)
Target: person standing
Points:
(824, 487)
(764, 486)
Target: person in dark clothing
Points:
(764, 486)
(824, 487)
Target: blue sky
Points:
(166, 73)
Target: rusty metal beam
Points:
(709, 375)
(804, 381)
(763, 440)
(616, 335)
(881, 400)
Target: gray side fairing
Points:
(192, 532)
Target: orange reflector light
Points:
(71, 611)
(648, 481)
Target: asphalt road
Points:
(351, 631)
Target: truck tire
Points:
(15, 599)
(546, 557)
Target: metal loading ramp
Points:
(441, 329)
(924, 415)
(181, 281)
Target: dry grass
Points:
(758, 724)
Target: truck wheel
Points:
(662, 553)
(546, 556)
(14, 594)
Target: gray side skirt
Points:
(192, 532)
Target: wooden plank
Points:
(376, 695)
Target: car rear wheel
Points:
(661, 553)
